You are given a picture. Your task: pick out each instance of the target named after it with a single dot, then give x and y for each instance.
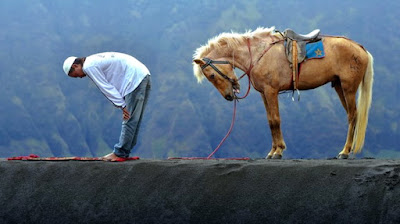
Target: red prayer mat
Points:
(33, 157)
(206, 158)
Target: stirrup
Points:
(298, 95)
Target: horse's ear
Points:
(199, 62)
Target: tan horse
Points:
(261, 54)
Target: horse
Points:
(347, 65)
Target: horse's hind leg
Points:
(338, 87)
(270, 99)
(348, 100)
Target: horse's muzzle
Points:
(229, 97)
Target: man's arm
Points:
(109, 91)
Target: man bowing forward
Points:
(126, 82)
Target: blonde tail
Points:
(363, 105)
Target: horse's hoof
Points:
(277, 156)
(343, 156)
(268, 157)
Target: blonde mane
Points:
(232, 40)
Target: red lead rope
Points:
(236, 100)
(233, 117)
(227, 134)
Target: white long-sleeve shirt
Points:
(115, 74)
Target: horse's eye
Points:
(212, 76)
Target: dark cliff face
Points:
(175, 191)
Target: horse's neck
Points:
(252, 50)
(246, 55)
(241, 57)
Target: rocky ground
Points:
(199, 191)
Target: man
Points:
(126, 82)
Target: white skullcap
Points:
(68, 63)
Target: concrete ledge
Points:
(217, 191)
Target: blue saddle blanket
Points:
(315, 50)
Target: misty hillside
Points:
(47, 113)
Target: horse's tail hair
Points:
(363, 105)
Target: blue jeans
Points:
(135, 103)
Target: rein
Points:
(246, 73)
(252, 65)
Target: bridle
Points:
(210, 62)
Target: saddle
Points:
(297, 42)
(295, 49)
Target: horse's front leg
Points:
(270, 99)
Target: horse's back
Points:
(344, 50)
(349, 58)
(344, 59)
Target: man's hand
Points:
(125, 114)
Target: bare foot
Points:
(111, 157)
